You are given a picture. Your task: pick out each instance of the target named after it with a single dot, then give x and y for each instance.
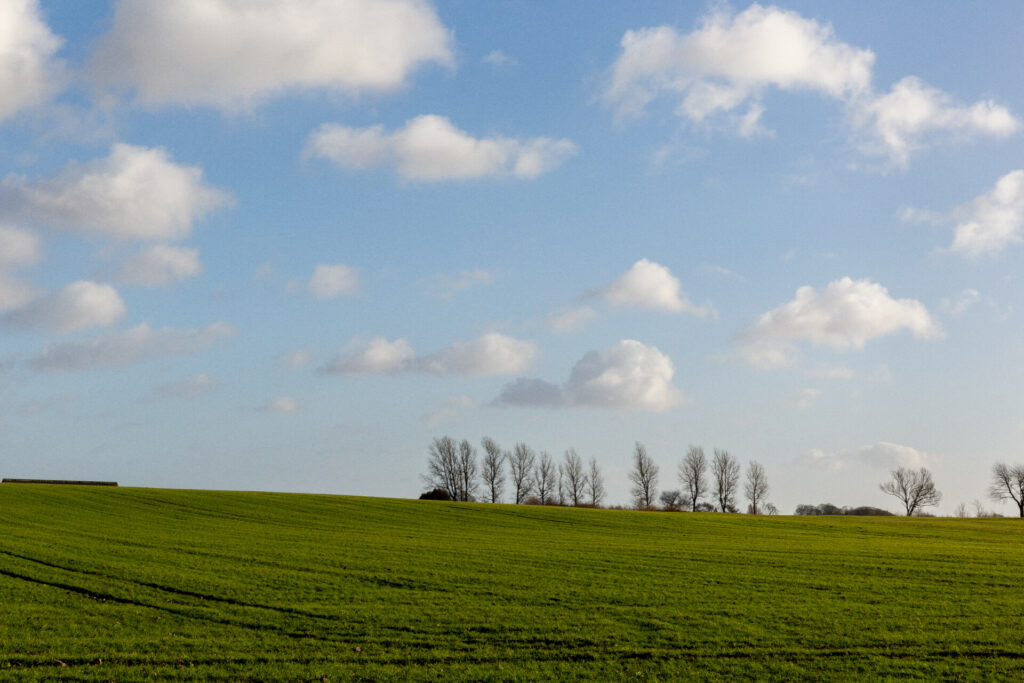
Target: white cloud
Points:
(722, 271)
(191, 387)
(280, 404)
(330, 281)
(992, 221)
(293, 360)
(491, 354)
(29, 72)
(448, 286)
(160, 265)
(14, 293)
(912, 112)
(78, 306)
(130, 346)
(379, 357)
(136, 193)
(807, 397)
(449, 409)
(499, 58)
(913, 215)
(572, 319)
(430, 149)
(882, 455)
(721, 70)
(845, 315)
(18, 247)
(963, 302)
(629, 375)
(830, 373)
(730, 60)
(231, 55)
(651, 285)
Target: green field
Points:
(129, 584)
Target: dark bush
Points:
(830, 509)
(435, 494)
(868, 511)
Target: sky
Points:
(282, 245)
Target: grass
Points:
(130, 584)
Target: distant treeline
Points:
(456, 472)
(830, 509)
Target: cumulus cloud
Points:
(491, 354)
(78, 306)
(160, 265)
(231, 55)
(29, 71)
(730, 60)
(135, 193)
(280, 404)
(651, 285)
(912, 112)
(572, 319)
(721, 71)
(18, 247)
(379, 357)
(844, 315)
(130, 346)
(430, 149)
(629, 375)
(191, 387)
(992, 221)
(882, 455)
(330, 281)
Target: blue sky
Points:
(282, 245)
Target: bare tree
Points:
(595, 484)
(520, 463)
(756, 487)
(725, 475)
(575, 477)
(467, 471)
(544, 478)
(770, 509)
(1008, 483)
(443, 466)
(644, 477)
(673, 501)
(914, 489)
(961, 510)
(693, 475)
(492, 470)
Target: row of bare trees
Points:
(453, 470)
(719, 480)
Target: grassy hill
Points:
(126, 584)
